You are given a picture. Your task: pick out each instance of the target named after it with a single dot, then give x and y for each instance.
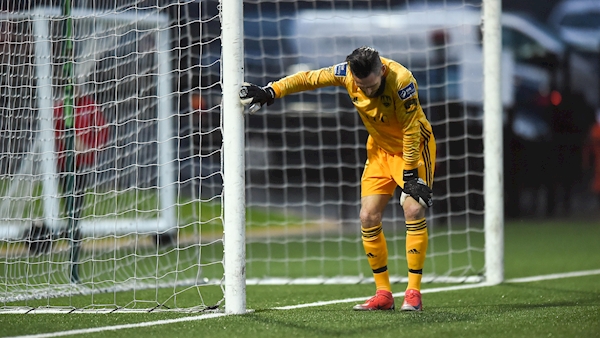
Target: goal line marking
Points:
(299, 306)
(122, 326)
(553, 276)
(452, 288)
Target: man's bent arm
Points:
(309, 80)
(411, 143)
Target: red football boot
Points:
(383, 300)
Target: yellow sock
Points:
(416, 248)
(377, 254)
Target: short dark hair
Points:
(363, 61)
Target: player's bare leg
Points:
(375, 245)
(416, 248)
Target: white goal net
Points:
(141, 186)
(308, 150)
(138, 223)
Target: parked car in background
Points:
(578, 23)
(546, 67)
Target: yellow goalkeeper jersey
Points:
(395, 120)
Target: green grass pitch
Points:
(562, 307)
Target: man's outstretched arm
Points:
(255, 96)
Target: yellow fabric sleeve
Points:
(308, 80)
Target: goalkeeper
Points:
(401, 152)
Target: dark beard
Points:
(380, 89)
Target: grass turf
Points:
(561, 308)
(567, 307)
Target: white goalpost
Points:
(187, 199)
(234, 203)
(494, 178)
(43, 146)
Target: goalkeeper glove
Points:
(255, 97)
(415, 187)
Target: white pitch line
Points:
(299, 306)
(452, 288)
(121, 327)
(398, 294)
(554, 276)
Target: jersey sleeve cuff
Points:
(276, 89)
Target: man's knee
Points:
(413, 210)
(369, 218)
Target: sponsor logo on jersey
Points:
(340, 69)
(386, 100)
(411, 105)
(407, 91)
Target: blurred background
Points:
(551, 97)
(312, 144)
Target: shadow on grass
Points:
(529, 296)
(533, 288)
(346, 322)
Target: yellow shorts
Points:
(383, 172)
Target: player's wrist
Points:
(271, 94)
(416, 188)
(410, 174)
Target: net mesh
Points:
(146, 198)
(307, 151)
(151, 216)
